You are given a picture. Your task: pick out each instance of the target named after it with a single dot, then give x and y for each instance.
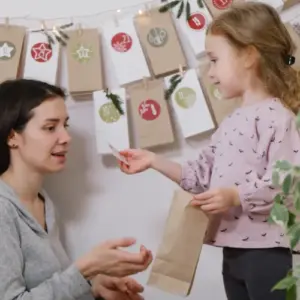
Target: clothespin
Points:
(79, 29)
(145, 82)
(181, 72)
(6, 22)
(116, 20)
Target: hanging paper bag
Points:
(176, 261)
(84, 61)
(11, 44)
(289, 3)
(111, 126)
(296, 39)
(42, 59)
(160, 42)
(123, 46)
(221, 108)
(189, 104)
(150, 114)
(216, 7)
(195, 28)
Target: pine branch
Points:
(116, 100)
(182, 7)
(174, 81)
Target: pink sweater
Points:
(242, 153)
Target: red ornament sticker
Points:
(197, 21)
(121, 42)
(41, 52)
(149, 110)
(222, 4)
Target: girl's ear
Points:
(251, 56)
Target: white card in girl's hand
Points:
(117, 154)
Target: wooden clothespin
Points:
(181, 71)
(7, 22)
(79, 29)
(145, 82)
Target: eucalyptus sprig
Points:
(183, 6)
(287, 177)
(174, 81)
(116, 100)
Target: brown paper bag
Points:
(296, 39)
(216, 7)
(11, 45)
(289, 3)
(150, 114)
(220, 108)
(84, 61)
(160, 42)
(175, 264)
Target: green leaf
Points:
(280, 214)
(188, 10)
(278, 198)
(180, 10)
(283, 165)
(297, 201)
(286, 283)
(287, 183)
(292, 219)
(116, 100)
(169, 6)
(294, 234)
(291, 294)
(200, 3)
(297, 170)
(275, 178)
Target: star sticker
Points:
(6, 51)
(41, 52)
(82, 53)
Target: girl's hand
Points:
(217, 201)
(139, 160)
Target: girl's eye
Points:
(67, 125)
(51, 128)
(213, 60)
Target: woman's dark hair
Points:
(17, 100)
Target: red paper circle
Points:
(149, 110)
(222, 4)
(41, 52)
(197, 21)
(121, 42)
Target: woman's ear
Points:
(251, 56)
(12, 141)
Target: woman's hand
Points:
(114, 288)
(108, 259)
(138, 160)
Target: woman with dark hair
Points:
(34, 141)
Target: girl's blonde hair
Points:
(259, 25)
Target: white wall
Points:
(95, 199)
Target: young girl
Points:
(251, 57)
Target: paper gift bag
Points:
(150, 114)
(11, 45)
(189, 104)
(160, 42)
(216, 7)
(296, 39)
(123, 46)
(177, 257)
(195, 28)
(221, 107)
(111, 127)
(41, 61)
(277, 4)
(84, 61)
(289, 3)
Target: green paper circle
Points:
(157, 37)
(108, 113)
(185, 97)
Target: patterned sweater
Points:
(242, 153)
